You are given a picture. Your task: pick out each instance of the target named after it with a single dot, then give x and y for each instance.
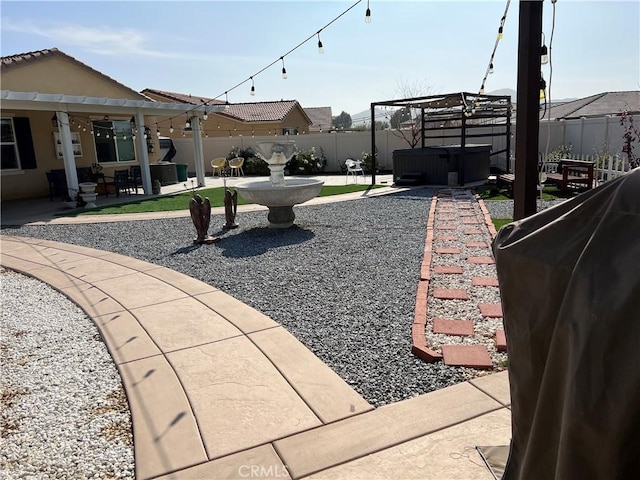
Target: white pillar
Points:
(197, 150)
(143, 154)
(67, 154)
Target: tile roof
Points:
(608, 103)
(320, 117)
(246, 112)
(182, 97)
(20, 59)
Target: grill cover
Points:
(570, 283)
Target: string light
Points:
(320, 47)
(495, 47)
(205, 117)
(543, 87)
(284, 70)
(281, 58)
(226, 98)
(544, 53)
(157, 132)
(171, 127)
(367, 15)
(187, 124)
(253, 87)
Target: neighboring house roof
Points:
(320, 117)
(21, 59)
(182, 97)
(608, 103)
(244, 112)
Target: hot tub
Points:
(444, 165)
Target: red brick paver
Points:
(447, 238)
(484, 281)
(469, 221)
(501, 341)
(452, 326)
(481, 260)
(473, 231)
(473, 356)
(450, 293)
(447, 269)
(477, 244)
(490, 310)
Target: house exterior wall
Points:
(59, 74)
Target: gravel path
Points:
(64, 411)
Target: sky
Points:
(410, 48)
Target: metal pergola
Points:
(454, 115)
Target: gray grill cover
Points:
(570, 284)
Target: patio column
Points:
(67, 154)
(528, 101)
(197, 150)
(143, 155)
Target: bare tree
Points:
(406, 122)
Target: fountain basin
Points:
(280, 199)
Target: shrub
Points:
(306, 162)
(253, 165)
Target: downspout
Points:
(143, 154)
(67, 154)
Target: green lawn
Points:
(180, 201)
(491, 192)
(500, 222)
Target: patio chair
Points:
(354, 167)
(135, 175)
(122, 182)
(235, 164)
(218, 165)
(57, 184)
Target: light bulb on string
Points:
(491, 68)
(500, 36)
(367, 15)
(320, 46)
(544, 53)
(205, 117)
(157, 132)
(284, 70)
(543, 86)
(482, 89)
(187, 124)
(253, 87)
(170, 127)
(226, 98)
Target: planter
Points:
(88, 187)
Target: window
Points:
(9, 153)
(114, 141)
(290, 131)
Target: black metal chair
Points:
(122, 182)
(135, 175)
(57, 184)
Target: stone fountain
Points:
(277, 194)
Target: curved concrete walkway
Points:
(218, 390)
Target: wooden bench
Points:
(507, 180)
(573, 175)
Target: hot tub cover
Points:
(570, 283)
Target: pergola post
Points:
(143, 155)
(197, 151)
(67, 154)
(528, 101)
